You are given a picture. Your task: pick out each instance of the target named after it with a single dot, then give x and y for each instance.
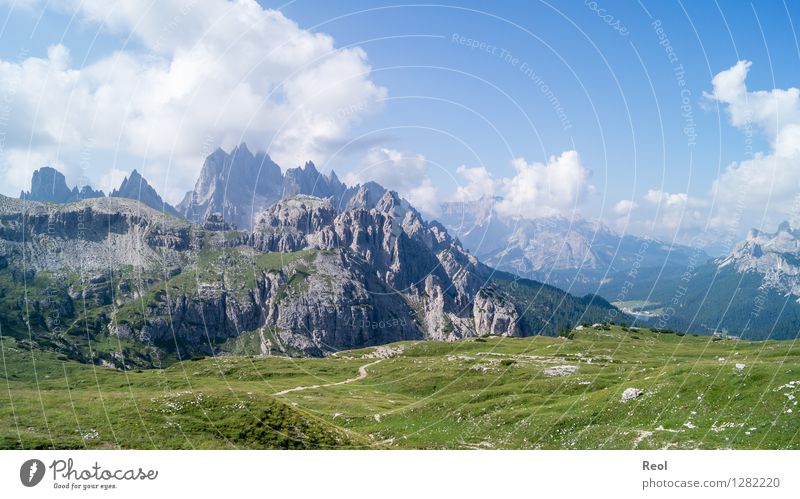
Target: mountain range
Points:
(240, 185)
(752, 292)
(300, 263)
(579, 255)
(111, 281)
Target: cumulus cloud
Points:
(556, 187)
(771, 110)
(768, 179)
(623, 211)
(624, 208)
(677, 210)
(207, 73)
(478, 183)
(545, 189)
(747, 191)
(405, 173)
(673, 200)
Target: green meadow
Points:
(481, 393)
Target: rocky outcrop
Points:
(495, 315)
(49, 185)
(417, 261)
(335, 302)
(238, 185)
(294, 224)
(216, 222)
(92, 234)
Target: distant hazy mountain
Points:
(752, 292)
(579, 255)
(49, 185)
(775, 256)
(136, 187)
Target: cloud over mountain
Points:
(271, 83)
(536, 189)
(403, 172)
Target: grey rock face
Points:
(342, 304)
(776, 256)
(494, 314)
(241, 185)
(49, 185)
(95, 234)
(216, 222)
(237, 185)
(136, 187)
(417, 264)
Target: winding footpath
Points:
(362, 373)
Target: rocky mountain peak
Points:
(50, 185)
(390, 202)
(364, 196)
(136, 187)
(774, 255)
(241, 185)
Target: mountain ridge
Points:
(309, 279)
(136, 187)
(50, 185)
(579, 255)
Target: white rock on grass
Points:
(740, 367)
(631, 393)
(551, 372)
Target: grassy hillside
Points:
(538, 392)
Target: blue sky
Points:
(418, 102)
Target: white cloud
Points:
(623, 211)
(624, 208)
(479, 183)
(771, 110)
(211, 71)
(540, 189)
(769, 179)
(676, 210)
(405, 173)
(674, 200)
(761, 189)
